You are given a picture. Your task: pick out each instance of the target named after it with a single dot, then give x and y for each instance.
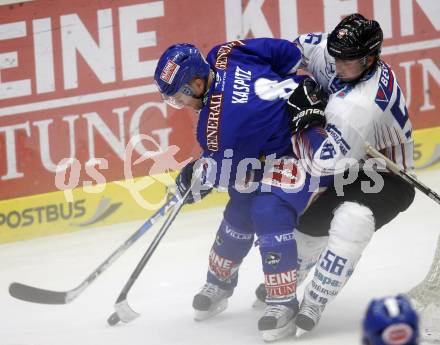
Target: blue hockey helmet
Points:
(177, 66)
(390, 321)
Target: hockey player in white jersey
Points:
(366, 104)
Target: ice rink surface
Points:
(397, 259)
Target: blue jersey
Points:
(245, 107)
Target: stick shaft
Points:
(151, 249)
(403, 174)
(37, 295)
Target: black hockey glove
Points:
(184, 179)
(306, 105)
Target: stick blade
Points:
(36, 295)
(124, 312)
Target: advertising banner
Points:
(76, 77)
(116, 202)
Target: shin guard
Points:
(229, 249)
(279, 257)
(351, 230)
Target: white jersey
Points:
(372, 110)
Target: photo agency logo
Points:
(68, 171)
(287, 173)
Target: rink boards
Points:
(60, 212)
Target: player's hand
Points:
(185, 178)
(306, 105)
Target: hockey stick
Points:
(123, 311)
(36, 295)
(402, 173)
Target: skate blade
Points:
(201, 315)
(300, 332)
(258, 304)
(279, 333)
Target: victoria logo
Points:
(272, 259)
(219, 240)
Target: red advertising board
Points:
(76, 76)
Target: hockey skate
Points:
(277, 322)
(260, 297)
(210, 301)
(308, 316)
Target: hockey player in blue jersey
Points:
(390, 320)
(240, 94)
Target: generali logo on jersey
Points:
(213, 122)
(223, 54)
